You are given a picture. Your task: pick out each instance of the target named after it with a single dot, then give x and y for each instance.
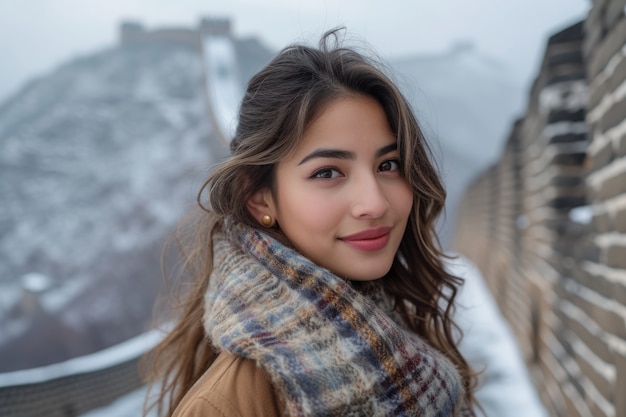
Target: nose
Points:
(368, 198)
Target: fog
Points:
(37, 35)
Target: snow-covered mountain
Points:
(100, 159)
(98, 162)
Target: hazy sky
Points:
(38, 35)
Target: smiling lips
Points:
(368, 240)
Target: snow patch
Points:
(222, 87)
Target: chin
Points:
(368, 275)
(365, 279)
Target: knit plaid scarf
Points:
(329, 349)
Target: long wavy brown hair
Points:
(279, 104)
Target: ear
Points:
(260, 204)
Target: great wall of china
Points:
(546, 225)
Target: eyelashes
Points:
(332, 172)
(326, 173)
(390, 165)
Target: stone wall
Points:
(73, 387)
(547, 223)
(134, 32)
(70, 395)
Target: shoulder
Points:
(232, 387)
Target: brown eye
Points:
(326, 173)
(390, 165)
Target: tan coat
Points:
(231, 387)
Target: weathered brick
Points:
(613, 323)
(597, 91)
(596, 14)
(611, 187)
(598, 346)
(613, 116)
(613, 13)
(596, 411)
(547, 400)
(587, 250)
(615, 256)
(621, 146)
(607, 48)
(593, 32)
(599, 6)
(552, 392)
(601, 222)
(618, 76)
(619, 220)
(619, 292)
(594, 282)
(608, 320)
(601, 156)
(572, 401)
(592, 192)
(614, 289)
(552, 395)
(620, 382)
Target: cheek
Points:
(403, 200)
(311, 211)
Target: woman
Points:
(319, 288)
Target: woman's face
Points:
(340, 198)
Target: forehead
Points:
(348, 120)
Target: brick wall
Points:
(602, 271)
(547, 223)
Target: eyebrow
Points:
(341, 154)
